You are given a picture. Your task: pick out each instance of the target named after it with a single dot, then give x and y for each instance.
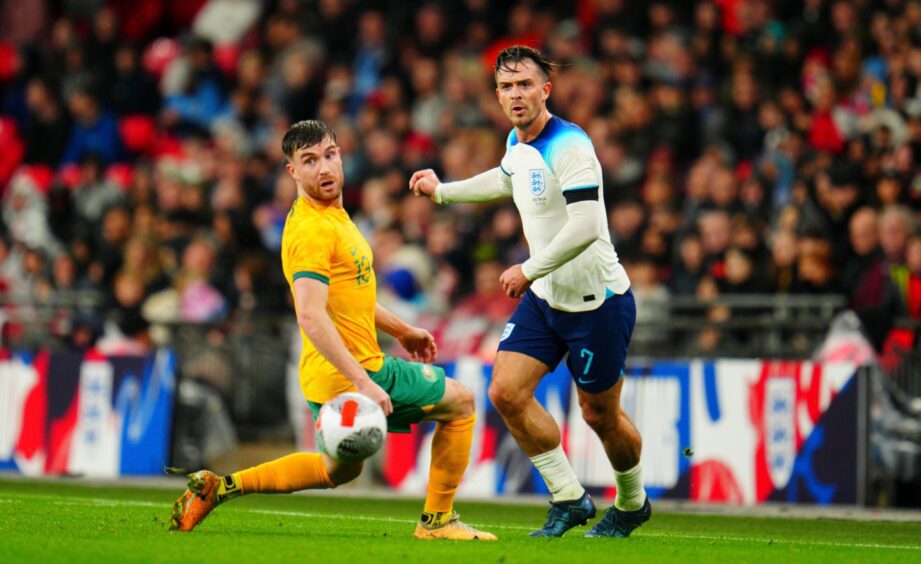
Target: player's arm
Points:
(494, 184)
(578, 233)
(311, 297)
(419, 343)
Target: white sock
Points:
(631, 495)
(557, 473)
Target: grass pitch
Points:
(43, 521)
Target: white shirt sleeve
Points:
(494, 184)
(577, 234)
(575, 166)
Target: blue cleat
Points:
(620, 524)
(565, 515)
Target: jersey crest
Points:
(538, 182)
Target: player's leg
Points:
(515, 377)
(423, 392)
(598, 343)
(528, 350)
(455, 417)
(623, 446)
(299, 471)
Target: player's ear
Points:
(546, 88)
(290, 168)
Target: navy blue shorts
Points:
(597, 340)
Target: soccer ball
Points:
(351, 427)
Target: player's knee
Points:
(506, 399)
(344, 472)
(466, 403)
(596, 416)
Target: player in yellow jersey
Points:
(329, 267)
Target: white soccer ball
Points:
(351, 427)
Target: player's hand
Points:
(513, 282)
(377, 394)
(420, 344)
(423, 183)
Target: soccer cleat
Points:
(448, 526)
(203, 493)
(564, 515)
(618, 523)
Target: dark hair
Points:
(305, 133)
(511, 56)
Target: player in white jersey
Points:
(576, 297)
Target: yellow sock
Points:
(299, 471)
(450, 455)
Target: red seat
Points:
(159, 55)
(13, 150)
(8, 130)
(138, 133)
(70, 175)
(122, 174)
(40, 175)
(9, 61)
(225, 57)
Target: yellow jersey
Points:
(322, 243)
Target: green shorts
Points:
(414, 388)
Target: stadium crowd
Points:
(749, 146)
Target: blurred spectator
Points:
(652, 303)
(141, 259)
(784, 249)
(48, 124)
(11, 266)
(715, 235)
(197, 98)
(35, 276)
(199, 299)
(688, 268)
(95, 194)
(25, 215)
(126, 331)
(133, 91)
(487, 299)
(742, 276)
(107, 252)
(741, 145)
(269, 218)
(94, 131)
(896, 224)
(372, 57)
(815, 267)
(869, 283)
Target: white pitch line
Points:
(107, 502)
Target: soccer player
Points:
(575, 296)
(329, 267)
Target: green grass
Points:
(46, 522)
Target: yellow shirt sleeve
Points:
(311, 255)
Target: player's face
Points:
(318, 170)
(522, 92)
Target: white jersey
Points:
(560, 159)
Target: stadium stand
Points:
(750, 149)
